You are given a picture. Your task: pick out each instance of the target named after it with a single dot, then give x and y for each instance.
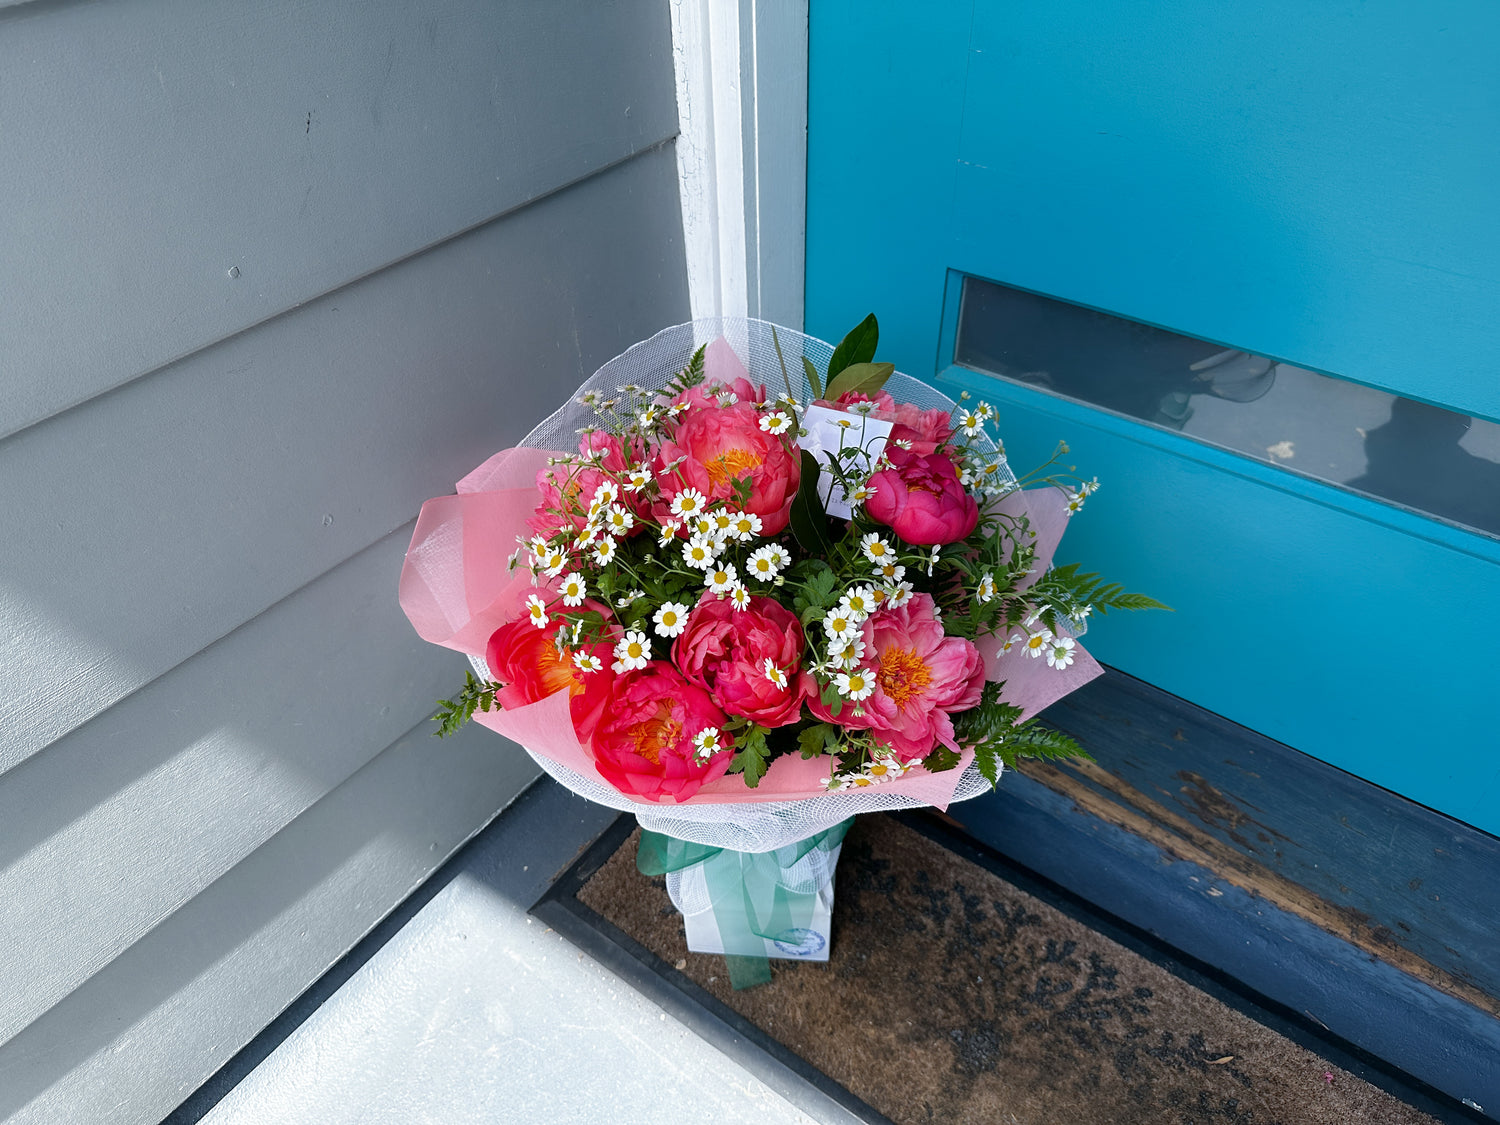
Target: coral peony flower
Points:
(716, 445)
(920, 677)
(568, 489)
(724, 650)
(531, 665)
(644, 744)
(699, 397)
(921, 499)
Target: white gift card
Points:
(829, 431)
(799, 943)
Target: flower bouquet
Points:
(746, 585)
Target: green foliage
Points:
(940, 759)
(809, 519)
(818, 592)
(818, 739)
(751, 755)
(857, 347)
(867, 378)
(454, 713)
(999, 738)
(1064, 586)
(812, 378)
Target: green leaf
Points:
(812, 378)
(752, 756)
(857, 347)
(775, 339)
(987, 758)
(867, 378)
(940, 760)
(818, 739)
(808, 518)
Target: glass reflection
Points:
(1409, 453)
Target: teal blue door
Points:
(1303, 189)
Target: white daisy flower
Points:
(776, 422)
(986, 590)
(671, 619)
(637, 479)
(720, 579)
(668, 533)
(625, 599)
(984, 410)
(840, 624)
(858, 601)
(744, 526)
(1060, 653)
(677, 409)
(891, 572)
(573, 589)
(649, 416)
(688, 503)
(971, 422)
(721, 521)
(876, 549)
(536, 609)
(739, 597)
(1036, 643)
(862, 494)
(856, 684)
(633, 651)
(703, 525)
(775, 674)
(1010, 644)
(848, 650)
(605, 495)
(1075, 503)
(932, 561)
(1088, 488)
(700, 552)
(706, 744)
(585, 537)
(897, 594)
(604, 551)
(586, 663)
(901, 443)
(618, 520)
(761, 565)
(782, 557)
(1081, 612)
(885, 768)
(788, 400)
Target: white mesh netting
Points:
(651, 365)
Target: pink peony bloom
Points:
(699, 398)
(925, 429)
(725, 650)
(644, 742)
(528, 661)
(921, 499)
(567, 489)
(718, 444)
(921, 677)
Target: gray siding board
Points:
(114, 827)
(135, 1039)
(164, 514)
(152, 146)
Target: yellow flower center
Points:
(655, 734)
(729, 464)
(903, 674)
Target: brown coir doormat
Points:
(953, 996)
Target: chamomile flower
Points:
(688, 503)
(573, 589)
(1060, 653)
(986, 589)
(847, 650)
(859, 601)
(1081, 612)
(633, 651)
(706, 744)
(604, 551)
(739, 597)
(585, 537)
(1075, 503)
(876, 549)
(676, 409)
(775, 674)
(722, 520)
(650, 415)
(605, 495)
(897, 594)
(668, 533)
(720, 579)
(703, 525)
(744, 526)
(1036, 644)
(629, 596)
(788, 400)
(1089, 487)
(671, 619)
(937, 551)
(901, 443)
(984, 410)
(637, 479)
(536, 610)
(700, 552)
(840, 624)
(775, 422)
(862, 494)
(764, 564)
(618, 520)
(885, 768)
(1010, 644)
(971, 422)
(856, 684)
(587, 662)
(891, 572)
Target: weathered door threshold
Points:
(1347, 905)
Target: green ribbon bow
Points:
(752, 900)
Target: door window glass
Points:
(1410, 453)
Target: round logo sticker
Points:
(799, 942)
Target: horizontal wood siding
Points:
(215, 766)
